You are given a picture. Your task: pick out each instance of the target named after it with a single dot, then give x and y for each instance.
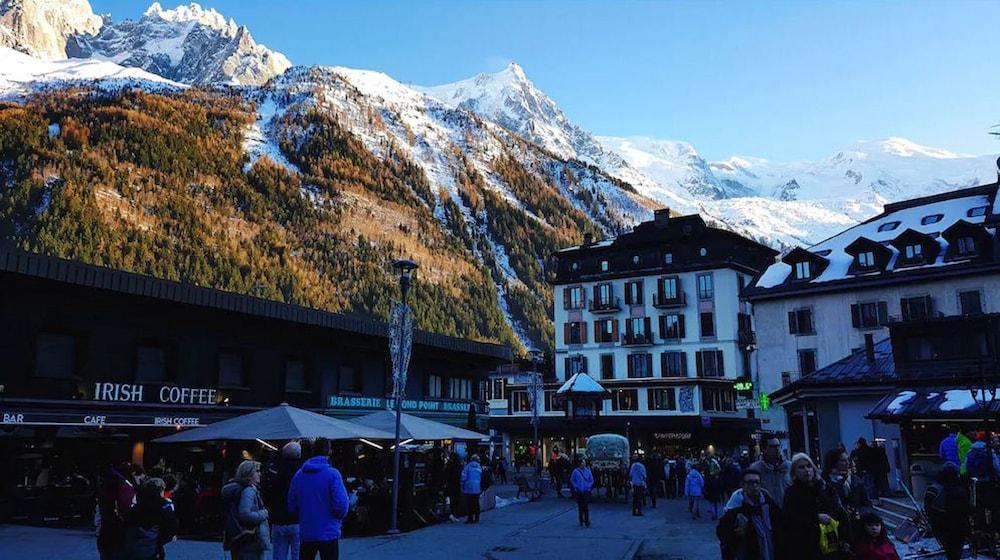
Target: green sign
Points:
(379, 403)
(765, 401)
(743, 385)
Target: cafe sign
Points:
(379, 403)
(168, 394)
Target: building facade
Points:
(655, 316)
(922, 258)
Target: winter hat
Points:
(291, 450)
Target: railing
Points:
(599, 306)
(637, 339)
(661, 301)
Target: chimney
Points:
(588, 239)
(870, 348)
(661, 217)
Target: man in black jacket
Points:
(284, 524)
(750, 527)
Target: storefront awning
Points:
(935, 403)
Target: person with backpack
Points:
(284, 524)
(115, 500)
(151, 524)
(472, 478)
(948, 508)
(581, 482)
(751, 524)
(246, 534)
(318, 497)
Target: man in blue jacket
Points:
(472, 476)
(318, 497)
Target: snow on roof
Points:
(581, 383)
(952, 210)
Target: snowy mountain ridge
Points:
(40, 28)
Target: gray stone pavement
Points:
(544, 530)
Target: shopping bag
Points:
(829, 539)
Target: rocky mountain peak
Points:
(40, 28)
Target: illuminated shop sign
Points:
(379, 403)
(169, 394)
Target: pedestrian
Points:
(850, 491)
(864, 461)
(731, 477)
(774, 470)
(978, 463)
(472, 476)
(318, 497)
(637, 477)
(811, 507)
(881, 471)
(751, 524)
(284, 524)
(680, 472)
(504, 467)
(453, 485)
(873, 543)
(116, 498)
(581, 483)
(694, 487)
(245, 534)
(151, 524)
(948, 508)
(654, 474)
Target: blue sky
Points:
(784, 80)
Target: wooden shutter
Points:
(614, 400)
(720, 368)
(597, 293)
(904, 309)
(929, 306)
(599, 331)
(650, 399)
(567, 368)
(647, 322)
(628, 293)
(793, 322)
(856, 315)
(614, 330)
(638, 293)
(649, 365)
(583, 365)
(583, 332)
(883, 313)
(680, 326)
(684, 364)
(566, 333)
(699, 365)
(631, 366)
(663, 326)
(664, 365)
(566, 298)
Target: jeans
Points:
(473, 502)
(583, 507)
(638, 496)
(285, 540)
(328, 550)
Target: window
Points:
(669, 288)
(672, 326)
(55, 355)
(607, 366)
(869, 315)
(150, 364)
(605, 266)
(718, 399)
(573, 298)
(706, 289)
(932, 219)
(633, 292)
(493, 390)
(707, 320)
(668, 258)
(970, 302)
(553, 404)
(662, 399)
(624, 399)
(673, 364)
(802, 270)
(575, 365)
(800, 321)
(231, 369)
(637, 330)
(916, 308)
(520, 401)
(606, 330)
(435, 387)
(888, 226)
(866, 259)
(295, 375)
(349, 379)
(574, 266)
(709, 363)
(459, 389)
(913, 252)
(807, 361)
(640, 365)
(966, 245)
(976, 212)
(603, 293)
(575, 332)
(635, 260)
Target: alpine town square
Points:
(532, 279)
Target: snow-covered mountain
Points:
(40, 28)
(187, 44)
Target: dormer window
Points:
(914, 252)
(802, 270)
(605, 266)
(866, 259)
(976, 212)
(932, 219)
(635, 260)
(668, 258)
(966, 245)
(574, 266)
(888, 226)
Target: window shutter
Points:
(650, 399)
(567, 368)
(631, 366)
(649, 365)
(684, 364)
(856, 315)
(598, 331)
(583, 332)
(699, 365)
(638, 293)
(806, 325)
(646, 323)
(583, 365)
(663, 326)
(614, 400)
(720, 368)
(597, 293)
(793, 323)
(565, 298)
(883, 313)
(664, 365)
(680, 325)
(661, 287)
(628, 293)
(614, 330)
(929, 305)
(566, 333)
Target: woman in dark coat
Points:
(809, 502)
(850, 490)
(948, 509)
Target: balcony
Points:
(660, 301)
(637, 339)
(606, 306)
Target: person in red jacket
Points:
(873, 544)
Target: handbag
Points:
(245, 537)
(829, 538)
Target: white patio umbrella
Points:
(415, 427)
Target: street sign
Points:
(746, 403)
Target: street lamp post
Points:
(536, 358)
(400, 342)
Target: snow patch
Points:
(257, 142)
(957, 399)
(54, 130)
(902, 398)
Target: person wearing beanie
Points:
(285, 524)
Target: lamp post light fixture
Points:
(536, 356)
(400, 343)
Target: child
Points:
(694, 487)
(873, 544)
